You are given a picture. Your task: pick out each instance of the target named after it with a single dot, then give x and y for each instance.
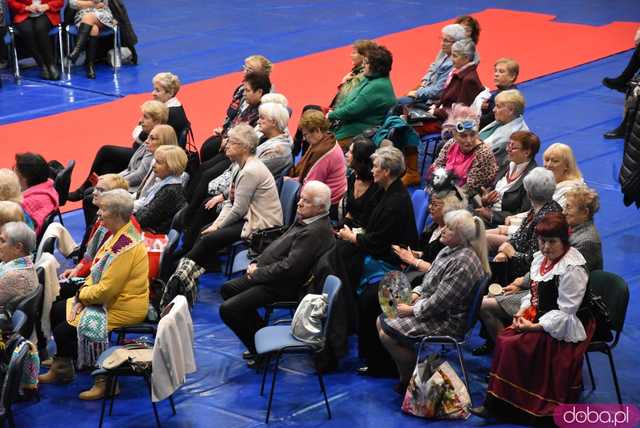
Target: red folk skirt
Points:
(532, 373)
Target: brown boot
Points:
(98, 390)
(411, 176)
(61, 371)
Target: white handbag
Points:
(306, 325)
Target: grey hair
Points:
(119, 202)
(540, 184)
(470, 229)
(246, 136)
(276, 112)
(465, 47)
(455, 31)
(274, 97)
(19, 233)
(391, 159)
(321, 194)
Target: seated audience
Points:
(133, 165)
(91, 18)
(33, 19)
(465, 155)
(324, 160)
(505, 74)
(441, 304)
(362, 194)
(11, 191)
(367, 104)
(518, 250)
(537, 363)
(17, 273)
(275, 151)
(252, 204)
(559, 159)
(497, 312)
(165, 89)
(10, 211)
(118, 282)
(472, 27)
(39, 197)
(155, 210)
(282, 268)
(508, 196)
(508, 110)
(435, 79)
(352, 79)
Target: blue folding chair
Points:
(420, 202)
(277, 340)
(289, 194)
(479, 290)
(428, 148)
(10, 40)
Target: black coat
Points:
(514, 200)
(158, 214)
(128, 36)
(630, 169)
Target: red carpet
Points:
(541, 45)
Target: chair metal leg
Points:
(593, 380)
(173, 406)
(462, 367)
(13, 54)
(324, 393)
(61, 55)
(104, 403)
(111, 388)
(264, 373)
(12, 422)
(273, 386)
(155, 410)
(614, 374)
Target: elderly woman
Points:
(92, 17)
(559, 159)
(582, 203)
(39, 197)
(434, 81)
(464, 83)
(34, 19)
(505, 74)
(362, 194)
(537, 364)
(508, 110)
(165, 89)
(352, 79)
(17, 273)
(252, 204)
(11, 191)
(10, 211)
(162, 200)
(96, 233)
(275, 152)
(518, 250)
(441, 304)
(116, 293)
(367, 104)
(508, 196)
(465, 155)
(132, 164)
(324, 161)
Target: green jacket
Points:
(365, 107)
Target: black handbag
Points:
(600, 313)
(261, 239)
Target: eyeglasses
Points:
(466, 126)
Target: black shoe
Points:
(376, 372)
(83, 36)
(76, 195)
(54, 73)
(484, 349)
(248, 355)
(614, 134)
(615, 84)
(44, 73)
(481, 412)
(91, 71)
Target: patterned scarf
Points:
(21, 263)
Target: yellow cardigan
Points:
(123, 288)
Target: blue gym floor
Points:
(199, 41)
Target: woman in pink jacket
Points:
(39, 197)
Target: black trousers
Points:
(242, 299)
(370, 348)
(204, 251)
(197, 189)
(109, 159)
(34, 32)
(65, 335)
(210, 148)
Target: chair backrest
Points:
(31, 305)
(6, 12)
(62, 183)
(46, 222)
(173, 238)
(289, 200)
(331, 287)
(18, 319)
(49, 245)
(420, 202)
(11, 384)
(479, 291)
(615, 292)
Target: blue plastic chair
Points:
(289, 199)
(428, 148)
(420, 202)
(277, 340)
(479, 290)
(18, 320)
(12, 32)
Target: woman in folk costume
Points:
(115, 294)
(537, 363)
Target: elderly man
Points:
(17, 274)
(282, 268)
